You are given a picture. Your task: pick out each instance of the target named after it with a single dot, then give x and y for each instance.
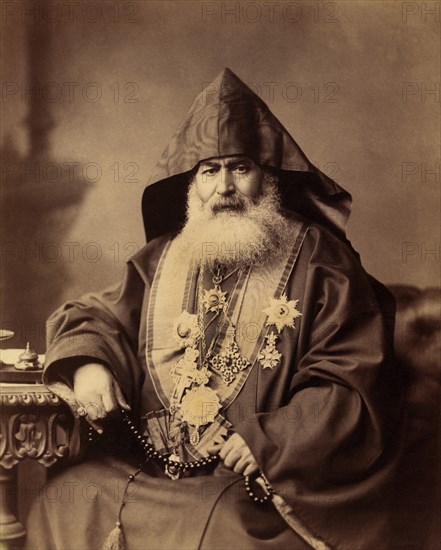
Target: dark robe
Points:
(322, 425)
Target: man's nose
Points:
(225, 184)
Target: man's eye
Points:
(209, 171)
(241, 169)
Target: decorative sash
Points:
(173, 290)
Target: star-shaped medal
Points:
(214, 299)
(281, 312)
(269, 358)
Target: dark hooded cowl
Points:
(228, 118)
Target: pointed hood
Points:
(228, 118)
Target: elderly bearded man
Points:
(244, 357)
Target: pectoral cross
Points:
(184, 374)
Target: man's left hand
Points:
(236, 455)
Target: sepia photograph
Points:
(220, 262)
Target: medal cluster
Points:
(209, 348)
(194, 403)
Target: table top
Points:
(8, 372)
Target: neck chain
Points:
(229, 362)
(216, 302)
(218, 276)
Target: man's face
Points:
(233, 215)
(234, 176)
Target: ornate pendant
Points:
(269, 357)
(200, 406)
(230, 362)
(281, 312)
(186, 329)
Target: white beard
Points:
(235, 231)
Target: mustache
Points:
(235, 202)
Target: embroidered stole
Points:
(172, 291)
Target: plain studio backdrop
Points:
(93, 91)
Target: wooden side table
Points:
(35, 424)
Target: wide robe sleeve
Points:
(104, 327)
(329, 450)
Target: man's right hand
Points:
(97, 393)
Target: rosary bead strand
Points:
(150, 452)
(164, 459)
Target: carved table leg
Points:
(34, 424)
(12, 532)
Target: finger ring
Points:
(81, 411)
